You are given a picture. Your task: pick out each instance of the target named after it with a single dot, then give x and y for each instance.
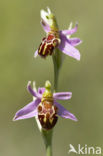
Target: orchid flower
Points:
(45, 107)
(56, 38)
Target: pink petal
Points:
(32, 92)
(74, 41)
(64, 113)
(69, 32)
(68, 49)
(27, 111)
(27, 116)
(62, 95)
(45, 26)
(41, 90)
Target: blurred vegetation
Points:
(20, 36)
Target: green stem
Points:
(56, 74)
(57, 62)
(47, 136)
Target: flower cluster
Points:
(44, 105)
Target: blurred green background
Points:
(20, 36)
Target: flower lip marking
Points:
(48, 44)
(47, 113)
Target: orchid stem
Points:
(56, 75)
(47, 136)
(57, 62)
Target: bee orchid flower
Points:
(56, 38)
(45, 107)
